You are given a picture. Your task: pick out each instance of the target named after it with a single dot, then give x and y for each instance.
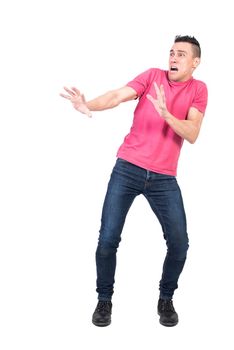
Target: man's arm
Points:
(188, 129)
(110, 99)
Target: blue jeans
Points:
(163, 194)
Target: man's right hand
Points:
(77, 99)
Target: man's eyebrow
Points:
(181, 51)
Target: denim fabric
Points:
(163, 194)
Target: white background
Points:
(55, 165)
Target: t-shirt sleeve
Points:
(201, 97)
(140, 83)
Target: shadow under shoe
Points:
(102, 314)
(167, 313)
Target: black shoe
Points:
(102, 314)
(167, 313)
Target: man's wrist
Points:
(168, 117)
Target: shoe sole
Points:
(101, 324)
(168, 324)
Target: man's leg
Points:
(164, 196)
(122, 190)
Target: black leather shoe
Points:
(102, 314)
(167, 313)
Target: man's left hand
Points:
(159, 102)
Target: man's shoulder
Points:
(155, 70)
(154, 73)
(199, 83)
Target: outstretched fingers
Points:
(65, 96)
(75, 90)
(150, 98)
(162, 93)
(69, 91)
(159, 92)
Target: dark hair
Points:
(191, 40)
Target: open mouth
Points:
(174, 69)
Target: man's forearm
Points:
(184, 128)
(106, 101)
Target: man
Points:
(170, 109)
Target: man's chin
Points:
(173, 76)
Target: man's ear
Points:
(196, 62)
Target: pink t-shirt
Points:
(151, 142)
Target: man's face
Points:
(182, 62)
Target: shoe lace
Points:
(104, 306)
